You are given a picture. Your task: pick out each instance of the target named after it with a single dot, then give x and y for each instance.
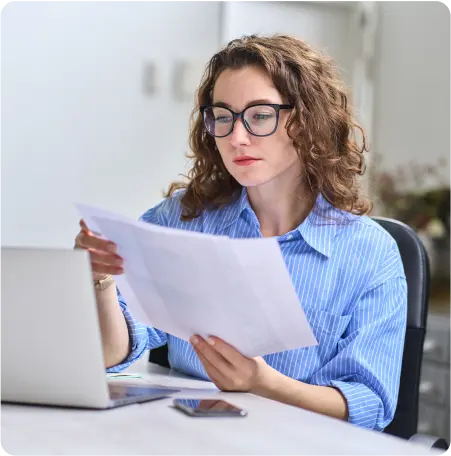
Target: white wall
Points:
(76, 125)
(412, 83)
(327, 27)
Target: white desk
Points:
(156, 428)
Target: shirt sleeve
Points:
(367, 367)
(142, 337)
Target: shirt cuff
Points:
(365, 408)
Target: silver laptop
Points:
(50, 336)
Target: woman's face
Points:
(274, 155)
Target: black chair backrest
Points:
(416, 266)
(160, 356)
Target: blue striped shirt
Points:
(350, 280)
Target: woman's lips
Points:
(245, 160)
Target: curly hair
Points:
(321, 126)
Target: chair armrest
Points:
(431, 441)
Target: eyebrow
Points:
(250, 103)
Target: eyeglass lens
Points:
(259, 120)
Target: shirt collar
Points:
(232, 212)
(318, 229)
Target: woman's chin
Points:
(249, 181)
(251, 176)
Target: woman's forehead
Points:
(238, 88)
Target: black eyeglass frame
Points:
(240, 115)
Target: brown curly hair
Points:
(321, 126)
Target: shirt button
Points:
(290, 237)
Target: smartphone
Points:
(208, 407)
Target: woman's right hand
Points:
(104, 259)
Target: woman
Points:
(275, 155)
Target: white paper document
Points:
(187, 283)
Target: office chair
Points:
(416, 266)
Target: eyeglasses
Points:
(259, 120)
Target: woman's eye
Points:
(262, 117)
(223, 119)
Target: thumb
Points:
(84, 227)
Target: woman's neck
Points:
(280, 205)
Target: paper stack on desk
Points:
(187, 283)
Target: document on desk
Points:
(186, 283)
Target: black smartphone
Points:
(208, 407)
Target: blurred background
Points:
(96, 98)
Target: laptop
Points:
(50, 336)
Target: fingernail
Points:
(211, 341)
(112, 248)
(118, 261)
(194, 340)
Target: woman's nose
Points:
(239, 136)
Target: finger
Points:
(106, 269)
(213, 356)
(89, 241)
(229, 353)
(215, 375)
(86, 229)
(108, 259)
(226, 372)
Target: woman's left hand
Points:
(227, 367)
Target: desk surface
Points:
(156, 428)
